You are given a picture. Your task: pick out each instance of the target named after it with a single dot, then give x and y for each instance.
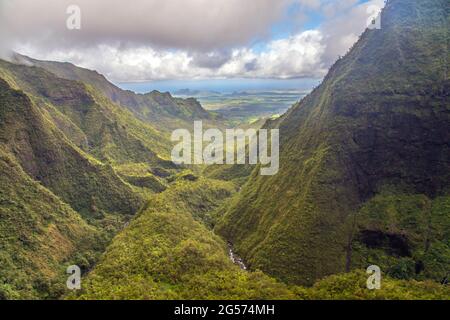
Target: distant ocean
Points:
(221, 86)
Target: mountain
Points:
(364, 162)
(46, 155)
(75, 166)
(85, 179)
(47, 186)
(92, 121)
(160, 109)
(167, 254)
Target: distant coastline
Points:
(221, 86)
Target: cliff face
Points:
(378, 125)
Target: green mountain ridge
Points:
(46, 155)
(92, 161)
(377, 125)
(160, 109)
(39, 230)
(102, 128)
(75, 144)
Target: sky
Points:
(188, 40)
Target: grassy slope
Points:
(379, 121)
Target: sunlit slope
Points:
(160, 109)
(379, 124)
(166, 254)
(47, 156)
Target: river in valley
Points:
(235, 258)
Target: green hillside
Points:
(63, 193)
(68, 149)
(39, 232)
(160, 109)
(373, 135)
(91, 120)
(86, 179)
(47, 156)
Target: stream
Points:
(235, 258)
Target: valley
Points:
(88, 178)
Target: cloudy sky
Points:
(144, 40)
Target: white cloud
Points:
(187, 24)
(179, 39)
(5, 41)
(297, 56)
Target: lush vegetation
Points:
(38, 233)
(85, 179)
(166, 254)
(353, 286)
(75, 168)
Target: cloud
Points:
(193, 24)
(296, 56)
(180, 39)
(211, 60)
(5, 36)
